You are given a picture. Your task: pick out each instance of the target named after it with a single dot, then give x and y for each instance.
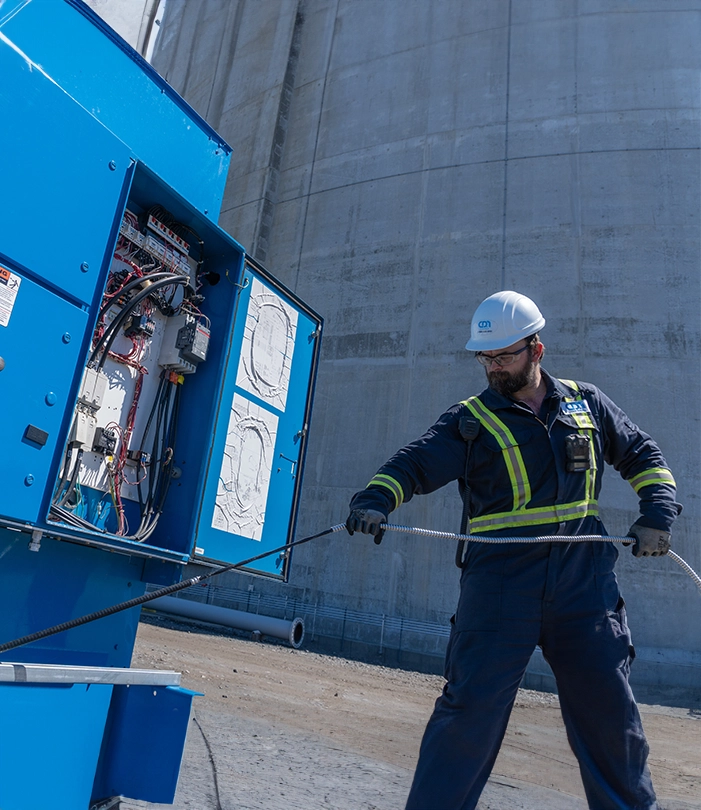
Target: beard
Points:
(507, 383)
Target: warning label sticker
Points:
(9, 287)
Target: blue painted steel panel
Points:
(50, 744)
(226, 546)
(48, 330)
(144, 741)
(60, 194)
(124, 92)
(58, 583)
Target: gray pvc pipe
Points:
(292, 631)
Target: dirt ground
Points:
(334, 715)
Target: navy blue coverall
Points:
(561, 596)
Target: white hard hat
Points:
(503, 319)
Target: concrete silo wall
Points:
(398, 160)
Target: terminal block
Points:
(139, 457)
(139, 326)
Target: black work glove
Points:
(649, 542)
(367, 521)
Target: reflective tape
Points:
(655, 475)
(382, 480)
(590, 483)
(535, 517)
(582, 420)
(521, 515)
(513, 459)
(586, 426)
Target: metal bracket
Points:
(246, 281)
(35, 542)
(292, 461)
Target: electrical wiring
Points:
(65, 516)
(141, 279)
(73, 479)
(166, 412)
(150, 266)
(188, 307)
(108, 338)
(62, 491)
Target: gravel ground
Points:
(283, 729)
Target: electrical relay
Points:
(185, 342)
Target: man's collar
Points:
(561, 389)
(494, 400)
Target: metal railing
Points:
(378, 629)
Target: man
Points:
(528, 454)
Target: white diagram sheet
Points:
(268, 346)
(244, 480)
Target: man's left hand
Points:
(649, 542)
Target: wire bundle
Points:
(140, 281)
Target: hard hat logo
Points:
(502, 320)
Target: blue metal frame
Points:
(91, 131)
(51, 743)
(143, 743)
(125, 93)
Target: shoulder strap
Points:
(469, 428)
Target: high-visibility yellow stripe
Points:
(591, 472)
(382, 480)
(535, 517)
(521, 515)
(655, 475)
(586, 424)
(394, 482)
(582, 420)
(513, 459)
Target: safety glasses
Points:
(503, 359)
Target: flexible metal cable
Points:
(548, 538)
(147, 597)
(187, 583)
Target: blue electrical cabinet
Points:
(156, 382)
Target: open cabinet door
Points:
(254, 476)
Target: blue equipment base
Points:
(50, 744)
(74, 735)
(144, 743)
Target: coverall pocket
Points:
(618, 623)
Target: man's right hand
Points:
(366, 521)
